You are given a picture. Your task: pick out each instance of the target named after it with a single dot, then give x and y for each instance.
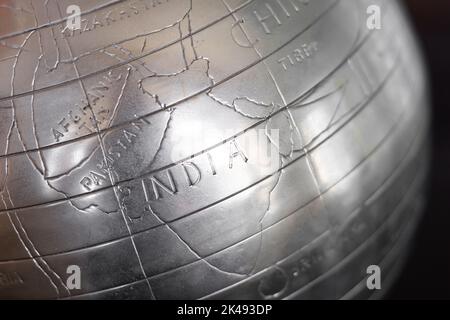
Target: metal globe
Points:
(203, 149)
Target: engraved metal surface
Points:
(127, 148)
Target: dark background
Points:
(427, 273)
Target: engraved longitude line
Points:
(51, 68)
(42, 171)
(28, 250)
(52, 284)
(38, 255)
(26, 239)
(306, 150)
(32, 107)
(13, 109)
(33, 84)
(261, 220)
(291, 118)
(19, 131)
(131, 237)
(6, 188)
(170, 228)
(252, 45)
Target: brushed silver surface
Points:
(245, 149)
